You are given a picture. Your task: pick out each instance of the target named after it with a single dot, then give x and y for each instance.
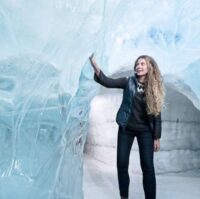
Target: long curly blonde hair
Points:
(153, 86)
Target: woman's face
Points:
(141, 67)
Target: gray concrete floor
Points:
(100, 182)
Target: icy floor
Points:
(100, 182)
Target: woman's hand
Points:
(156, 145)
(92, 60)
(94, 64)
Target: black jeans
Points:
(145, 143)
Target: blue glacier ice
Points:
(46, 81)
(43, 130)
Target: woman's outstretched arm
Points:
(102, 79)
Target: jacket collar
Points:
(134, 78)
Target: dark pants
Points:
(145, 143)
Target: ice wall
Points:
(46, 82)
(43, 130)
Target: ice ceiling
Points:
(46, 82)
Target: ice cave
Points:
(57, 125)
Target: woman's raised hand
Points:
(92, 60)
(94, 64)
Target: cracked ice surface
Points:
(46, 83)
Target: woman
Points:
(138, 116)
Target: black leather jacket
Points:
(128, 84)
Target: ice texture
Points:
(46, 81)
(43, 130)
